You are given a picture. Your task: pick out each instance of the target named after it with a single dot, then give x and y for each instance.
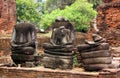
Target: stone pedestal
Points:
(95, 57)
(55, 61)
(59, 51)
(57, 57)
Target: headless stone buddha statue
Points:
(95, 54)
(62, 36)
(60, 47)
(23, 43)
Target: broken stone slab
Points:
(97, 60)
(88, 48)
(94, 54)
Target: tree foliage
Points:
(27, 11)
(95, 1)
(54, 4)
(80, 12)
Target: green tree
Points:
(27, 11)
(55, 4)
(80, 12)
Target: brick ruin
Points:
(7, 16)
(40, 72)
(108, 21)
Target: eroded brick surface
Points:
(106, 1)
(108, 21)
(7, 16)
(39, 72)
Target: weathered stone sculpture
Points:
(95, 54)
(23, 43)
(58, 53)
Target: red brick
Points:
(7, 16)
(108, 21)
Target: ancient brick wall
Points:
(106, 1)
(40, 72)
(43, 73)
(7, 16)
(108, 21)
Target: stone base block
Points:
(54, 61)
(26, 60)
(98, 60)
(96, 67)
(21, 59)
(95, 54)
